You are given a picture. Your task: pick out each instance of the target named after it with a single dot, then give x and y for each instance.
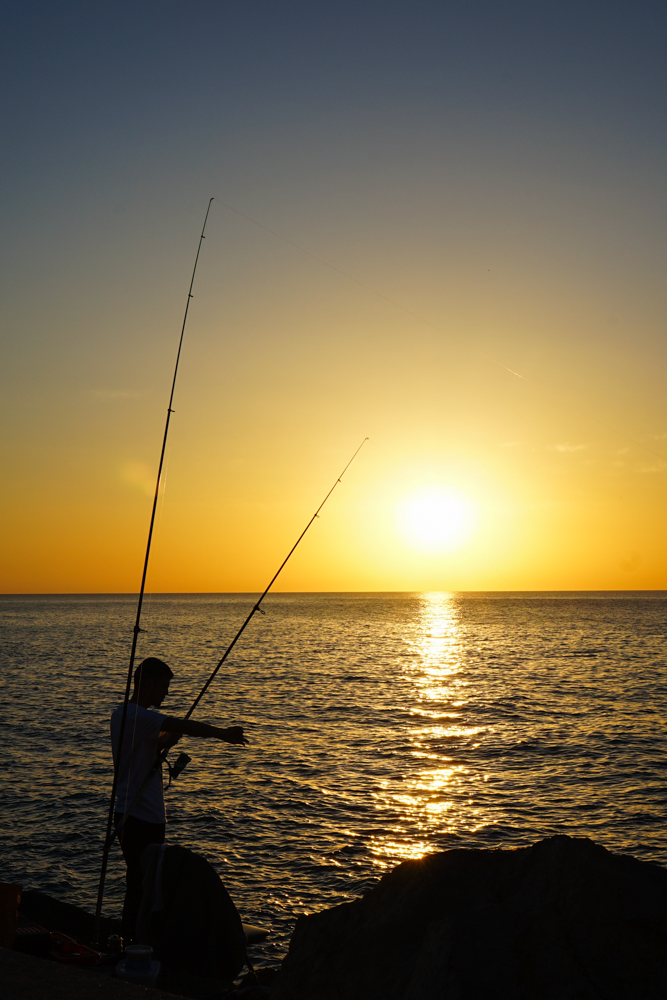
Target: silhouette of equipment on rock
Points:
(187, 915)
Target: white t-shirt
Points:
(140, 749)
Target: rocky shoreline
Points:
(560, 920)
(564, 919)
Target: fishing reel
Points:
(179, 765)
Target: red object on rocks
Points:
(66, 951)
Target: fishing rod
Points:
(108, 840)
(256, 607)
(162, 756)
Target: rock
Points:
(564, 919)
(56, 915)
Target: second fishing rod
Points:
(162, 756)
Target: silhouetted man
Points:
(146, 733)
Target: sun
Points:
(437, 519)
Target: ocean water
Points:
(382, 727)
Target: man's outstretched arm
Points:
(202, 730)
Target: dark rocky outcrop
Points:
(562, 920)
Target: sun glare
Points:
(437, 519)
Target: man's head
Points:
(151, 681)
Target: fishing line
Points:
(129, 767)
(434, 326)
(108, 840)
(160, 512)
(148, 603)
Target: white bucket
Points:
(137, 966)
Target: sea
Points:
(382, 727)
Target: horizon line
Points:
(213, 593)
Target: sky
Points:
(440, 226)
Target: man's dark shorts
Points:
(134, 838)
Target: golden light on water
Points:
(437, 519)
(398, 849)
(437, 794)
(437, 644)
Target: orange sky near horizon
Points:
(562, 498)
(481, 293)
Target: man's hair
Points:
(150, 670)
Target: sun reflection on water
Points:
(435, 796)
(437, 644)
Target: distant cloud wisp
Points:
(139, 475)
(656, 467)
(566, 447)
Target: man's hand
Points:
(235, 735)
